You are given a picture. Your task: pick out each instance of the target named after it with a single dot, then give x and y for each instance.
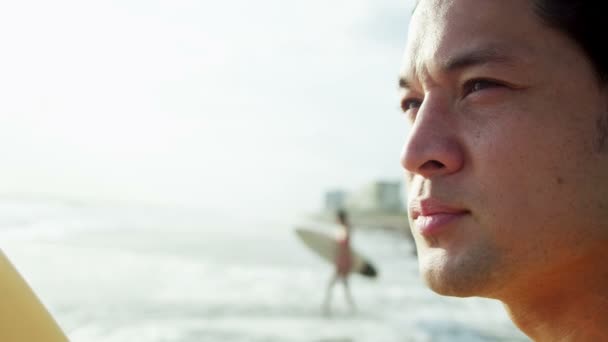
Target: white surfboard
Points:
(22, 315)
(326, 246)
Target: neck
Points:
(564, 306)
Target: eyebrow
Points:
(469, 59)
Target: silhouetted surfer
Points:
(343, 263)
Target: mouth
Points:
(432, 217)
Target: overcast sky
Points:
(251, 106)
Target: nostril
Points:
(432, 165)
(432, 150)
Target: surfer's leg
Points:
(328, 291)
(349, 297)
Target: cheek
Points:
(514, 173)
(533, 183)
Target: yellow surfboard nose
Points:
(23, 318)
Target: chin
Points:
(446, 287)
(463, 276)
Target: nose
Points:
(432, 147)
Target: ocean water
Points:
(118, 274)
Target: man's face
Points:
(507, 170)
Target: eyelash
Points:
(407, 103)
(469, 87)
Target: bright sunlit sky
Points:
(247, 106)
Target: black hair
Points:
(341, 214)
(583, 21)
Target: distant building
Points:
(335, 200)
(377, 205)
(379, 196)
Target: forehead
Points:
(441, 29)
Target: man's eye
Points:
(477, 85)
(408, 104)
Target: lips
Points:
(432, 217)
